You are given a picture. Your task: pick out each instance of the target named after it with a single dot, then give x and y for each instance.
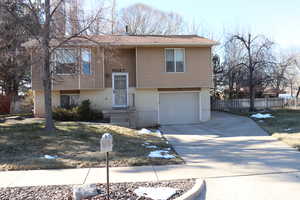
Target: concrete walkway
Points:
(237, 158)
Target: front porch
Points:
(121, 116)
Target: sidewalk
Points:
(98, 175)
(127, 174)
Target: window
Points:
(69, 100)
(175, 60)
(65, 61)
(86, 61)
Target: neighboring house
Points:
(152, 79)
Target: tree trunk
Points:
(13, 98)
(46, 72)
(251, 89)
(292, 89)
(252, 97)
(251, 71)
(298, 92)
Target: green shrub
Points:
(63, 114)
(83, 112)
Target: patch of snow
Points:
(50, 157)
(144, 131)
(261, 121)
(288, 129)
(160, 193)
(147, 131)
(168, 149)
(261, 116)
(160, 154)
(285, 96)
(158, 132)
(151, 147)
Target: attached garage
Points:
(178, 107)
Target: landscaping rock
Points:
(119, 191)
(84, 191)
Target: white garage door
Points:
(179, 108)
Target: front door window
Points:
(120, 86)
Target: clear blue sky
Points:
(278, 19)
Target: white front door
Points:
(120, 89)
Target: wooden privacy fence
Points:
(4, 104)
(243, 104)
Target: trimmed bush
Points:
(83, 112)
(87, 114)
(64, 114)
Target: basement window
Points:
(69, 100)
(175, 60)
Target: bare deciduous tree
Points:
(145, 20)
(255, 57)
(283, 73)
(232, 75)
(48, 23)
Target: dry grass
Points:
(23, 143)
(285, 126)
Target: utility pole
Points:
(113, 16)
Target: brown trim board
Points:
(179, 89)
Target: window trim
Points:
(175, 69)
(55, 60)
(70, 94)
(90, 61)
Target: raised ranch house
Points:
(135, 80)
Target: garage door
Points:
(179, 108)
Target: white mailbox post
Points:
(106, 143)
(106, 146)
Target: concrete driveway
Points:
(237, 158)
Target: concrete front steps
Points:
(122, 117)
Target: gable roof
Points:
(154, 40)
(136, 40)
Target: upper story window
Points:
(65, 61)
(86, 61)
(175, 60)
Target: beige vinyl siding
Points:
(151, 71)
(120, 60)
(76, 81)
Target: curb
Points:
(197, 192)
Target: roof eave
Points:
(90, 43)
(165, 44)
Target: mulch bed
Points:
(119, 191)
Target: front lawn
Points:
(285, 125)
(24, 144)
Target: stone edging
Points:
(197, 189)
